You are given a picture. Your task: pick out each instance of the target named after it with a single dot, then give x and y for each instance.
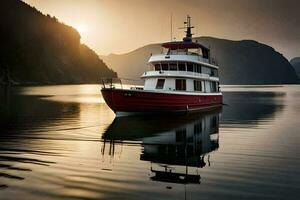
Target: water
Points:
(62, 142)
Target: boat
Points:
(182, 78)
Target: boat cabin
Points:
(182, 66)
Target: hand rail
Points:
(112, 82)
(109, 82)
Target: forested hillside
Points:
(38, 49)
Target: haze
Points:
(109, 26)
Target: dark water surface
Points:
(62, 142)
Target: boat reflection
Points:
(177, 147)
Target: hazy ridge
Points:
(37, 49)
(295, 62)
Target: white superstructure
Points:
(182, 66)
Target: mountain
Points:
(37, 49)
(131, 65)
(240, 62)
(295, 62)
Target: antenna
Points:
(171, 26)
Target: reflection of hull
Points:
(141, 101)
(137, 127)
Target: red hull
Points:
(120, 100)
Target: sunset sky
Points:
(119, 26)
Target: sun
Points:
(81, 28)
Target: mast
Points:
(187, 23)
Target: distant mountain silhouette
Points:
(37, 49)
(240, 62)
(296, 64)
(131, 65)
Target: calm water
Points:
(62, 142)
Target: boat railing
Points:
(179, 53)
(191, 57)
(110, 82)
(211, 75)
(117, 83)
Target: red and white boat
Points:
(182, 78)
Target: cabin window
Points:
(207, 86)
(160, 83)
(164, 66)
(173, 66)
(189, 67)
(193, 51)
(214, 72)
(197, 85)
(157, 67)
(205, 53)
(198, 70)
(180, 84)
(195, 67)
(206, 70)
(181, 66)
(213, 87)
